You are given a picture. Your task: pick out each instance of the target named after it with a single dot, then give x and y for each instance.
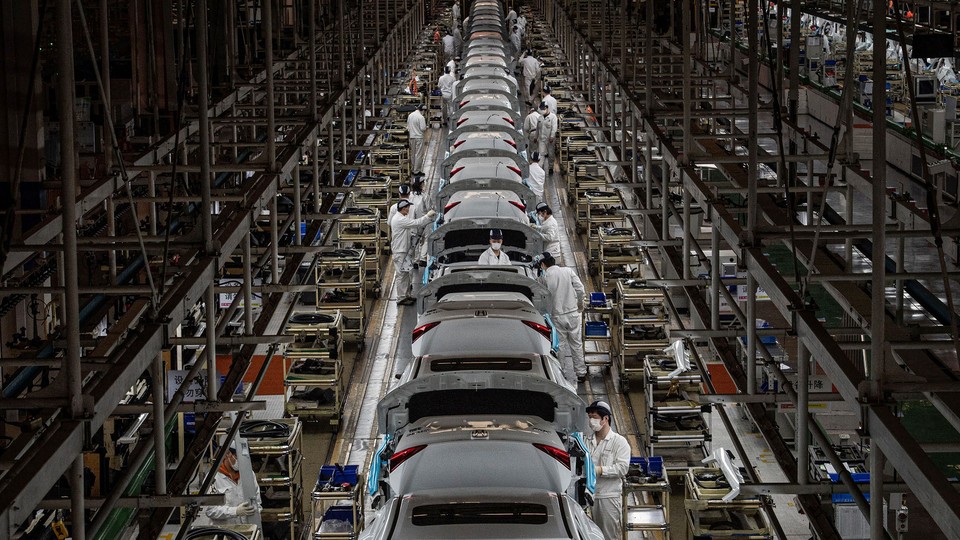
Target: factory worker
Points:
(531, 126)
(611, 458)
(494, 255)
(549, 99)
(456, 12)
(531, 74)
(546, 136)
(568, 295)
(405, 195)
(511, 18)
(403, 226)
(416, 125)
(238, 507)
(537, 177)
(445, 84)
(449, 45)
(549, 228)
(457, 40)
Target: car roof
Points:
(473, 204)
(480, 514)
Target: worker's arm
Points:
(578, 288)
(225, 511)
(550, 233)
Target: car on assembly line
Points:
(482, 513)
(485, 137)
(486, 85)
(467, 303)
(448, 193)
(486, 117)
(485, 101)
(484, 164)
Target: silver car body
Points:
(461, 240)
(556, 516)
(484, 163)
(448, 191)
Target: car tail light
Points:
(509, 120)
(510, 142)
(458, 143)
(462, 103)
(398, 458)
(461, 121)
(515, 169)
(542, 329)
(419, 331)
(450, 206)
(556, 453)
(519, 205)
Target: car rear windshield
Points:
(511, 513)
(493, 364)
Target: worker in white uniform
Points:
(494, 254)
(445, 84)
(549, 99)
(511, 18)
(416, 126)
(549, 228)
(456, 13)
(404, 195)
(531, 126)
(449, 45)
(452, 66)
(568, 295)
(611, 459)
(536, 177)
(237, 507)
(531, 75)
(402, 228)
(516, 40)
(457, 39)
(546, 137)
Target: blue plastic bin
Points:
(340, 512)
(596, 329)
(330, 473)
(655, 466)
(598, 299)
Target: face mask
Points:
(235, 465)
(595, 424)
(496, 245)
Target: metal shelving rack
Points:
(651, 514)
(330, 500)
(362, 231)
(340, 287)
(618, 256)
(642, 326)
(706, 506)
(313, 384)
(277, 462)
(599, 326)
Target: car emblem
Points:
(479, 434)
(480, 313)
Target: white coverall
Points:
(611, 458)
(448, 46)
(489, 257)
(456, 12)
(531, 74)
(568, 300)
(416, 125)
(445, 84)
(536, 181)
(551, 103)
(531, 127)
(546, 132)
(402, 248)
(457, 40)
(550, 229)
(233, 496)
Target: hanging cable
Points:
(846, 102)
(778, 128)
(933, 209)
(115, 147)
(184, 18)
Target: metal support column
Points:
(268, 60)
(206, 212)
(159, 424)
(803, 395)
